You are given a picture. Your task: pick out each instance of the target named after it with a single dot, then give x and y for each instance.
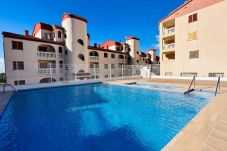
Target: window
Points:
(106, 76)
(192, 36)
(17, 45)
(216, 74)
(194, 54)
(59, 34)
(18, 65)
(168, 74)
(60, 50)
(118, 49)
(105, 55)
(137, 52)
(61, 64)
(81, 57)
(113, 56)
(192, 18)
(81, 42)
(46, 36)
(106, 66)
(112, 66)
(66, 52)
(188, 74)
(20, 82)
(120, 65)
(137, 61)
(65, 36)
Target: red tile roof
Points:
(110, 43)
(143, 55)
(30, 38)
(106, 50)
(39, 26)
(66, 15)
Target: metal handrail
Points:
(10, 85)
(193, 80)
(218, 87)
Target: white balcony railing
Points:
(61, 56)
(94, 70)
(46, 54)
(45, 71)
(94, 58)
(168, 46)
(168, 31)
(121, 60)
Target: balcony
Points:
(169, 31)
(46, 71)
(168, 46)
(46, 54)
(94, 58)
(121, 60)
(94, 70)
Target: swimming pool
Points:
(154, 86)
(97, 117)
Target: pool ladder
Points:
(189, 89)
(10, 85)
(218, 87)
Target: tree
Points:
(2, 78)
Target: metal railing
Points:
(218, 87)
(168, 31)
(168, 46)
(11, 86)
(189, 89)
(94, 57)
(46, 54)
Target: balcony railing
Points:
(94, 70)
(168, 31)
(94, 58)
(45, 71)
(168, 46)
(46, 54)
(121, 59)
(61, 56)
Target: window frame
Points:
(17, 45)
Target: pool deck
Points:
(207, 131)
(4, 98)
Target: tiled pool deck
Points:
(4, 98)
(208, 130)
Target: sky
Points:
(107, 19)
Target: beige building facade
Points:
(55, 53)
(193, 39)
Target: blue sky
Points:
(113, 19)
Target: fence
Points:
(56, 72)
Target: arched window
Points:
(46, 48)
(81, 71)
(81, 57)
(81, 42)
(61, 79)
(47, 80)
(59, 34)
(94, 53)
(121, 57)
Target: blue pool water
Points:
(97, 117)
(156, 86)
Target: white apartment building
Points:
(57, 53)
(193, 39)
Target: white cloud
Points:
(2, 65)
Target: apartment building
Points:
(193, 39)
(57, 53)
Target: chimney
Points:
(26, 32)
